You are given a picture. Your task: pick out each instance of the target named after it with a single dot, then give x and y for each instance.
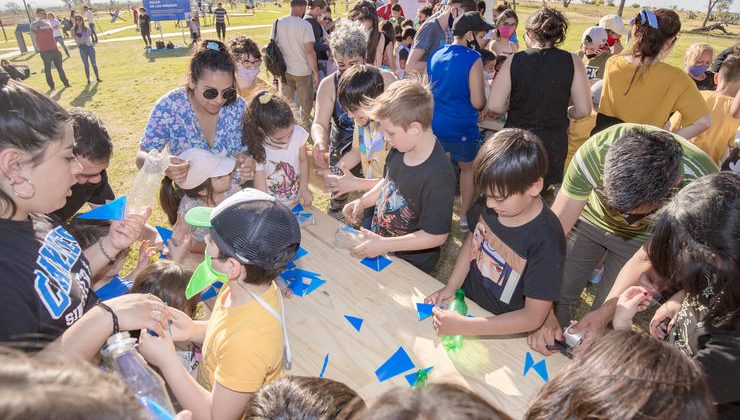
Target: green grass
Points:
(133, 81)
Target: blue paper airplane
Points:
(424, 310)
(377, 264)
(323, 368)
(411, 377)
(539, 367)
(114, 210)
(397, 364)
(355, 322)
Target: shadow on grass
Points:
(23, 57)
(87, 93)
(156, 54)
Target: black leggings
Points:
(147, 38)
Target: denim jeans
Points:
(53, 57)
(87, 53)
(60, 41)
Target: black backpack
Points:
(274, 61)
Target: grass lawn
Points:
(133, 81)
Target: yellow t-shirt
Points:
(721, 135)
(243, 348)
(656, 92)
(370, 141)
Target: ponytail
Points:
(169, 199)
(265, 114)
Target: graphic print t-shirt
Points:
(46, 281)
(508, 264)
(282, 168)
(414, 198)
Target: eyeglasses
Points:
(255, 62)
(212, 93)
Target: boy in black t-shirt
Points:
(145, 27)
(512, 262)
(413, 201)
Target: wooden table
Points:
(386, 301)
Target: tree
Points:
(621, 7)
(712, 4)
(13, 7)
(566, 3)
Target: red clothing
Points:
(44, 36)
(384, 12)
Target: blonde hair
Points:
(695, 51)
(405, 102)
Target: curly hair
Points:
(243, 45)
(547, 26)
(349, 39)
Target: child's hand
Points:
(633, 300)
(371, 247)
(158, 351)
(447, 322)
(305, 197)
(146, 252)
(125, 232)
(178, 250)
(178, 169)
(353, 210)
(182, 325)
(440, 297)
(341, 184)
(245, 166)
(667, 311)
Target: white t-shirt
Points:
(90, 17)
(282, 168)
(411, 7)
(57, 27)
(292, 34)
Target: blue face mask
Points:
(697, 71)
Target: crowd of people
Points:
(610, 163)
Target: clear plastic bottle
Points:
(454, 343)
(141, 195)
(121, 356)
(347, 237)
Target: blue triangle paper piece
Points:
(290, 266)
(541, 369)
(297, 209)
(424, 310)
(211, 292)
(300, 253)
(397, 364)
(323, 368)
(377, 264)
(164, 233)
(528, 363)
(355, 322)
(114, 210)
(411, 377)
(303, 217)
(296, 280)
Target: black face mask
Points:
(590, 56)
(473, 45)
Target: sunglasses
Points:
(212, 93)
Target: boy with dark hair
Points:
(93, 149)
(404, 49)
(512, 263)
(245, 342)
(413, 201)
(397, 17)
(145, 28)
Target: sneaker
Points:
(99, 80)
(67, 85)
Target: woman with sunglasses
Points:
(206, 113)
(83, 38)
(248, 61)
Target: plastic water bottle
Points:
(147, 386)
(347, 237)
(141, 195)
(454, 342)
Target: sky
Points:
(686, 4)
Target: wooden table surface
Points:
(386, 301)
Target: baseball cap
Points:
(594, 35)
(470, 21)
(613, 23)
(251, 227)
(204, 165)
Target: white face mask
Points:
(246, 76)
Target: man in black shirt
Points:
(93, 149)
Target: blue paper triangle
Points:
(528, 363)
(323, 368)
(296, 281)
(356, 322)
(424, 310)
(211, 292)
(541, 369)
(303, 217)
(297, 209)
(397, 364)
(411, 377)
(114, 210)
(300, 253)
(376, 264)
(164, 233)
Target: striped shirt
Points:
(584, 180)
(220, 14)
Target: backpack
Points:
(274, 61)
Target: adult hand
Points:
(178, 169)
(371, 247)
(592, 324)
(634, 299)
(659, 328)
(352, 211)
(316, 81)
(158, 351)
(319, 156)
(245, 166)
(341, 184)
(546, 335)
(440, 297)
(182, 325)
(447, 322)
(136, 311)
(123, 233)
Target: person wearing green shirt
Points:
(615, 183)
